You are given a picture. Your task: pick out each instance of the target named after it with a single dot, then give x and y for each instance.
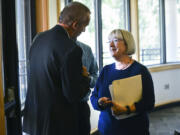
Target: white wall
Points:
(94, 117)
(161, 80)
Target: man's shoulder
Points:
(83, 45)
(42, 35)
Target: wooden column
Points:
(2, 114)
(58, 9)
(42, 15)
(135, 25)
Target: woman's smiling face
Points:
(117, 47)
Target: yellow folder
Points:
(127, 91)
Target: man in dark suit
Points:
(57, 81)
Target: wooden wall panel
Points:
(42, 15)
(2, 114)
(135, 25)
(58, 8)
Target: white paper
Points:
(126, 91)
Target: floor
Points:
(165, 121)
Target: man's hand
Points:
(85, 72)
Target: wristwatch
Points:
(128, 110)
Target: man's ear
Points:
(75, 25)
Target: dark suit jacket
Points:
(54, 88)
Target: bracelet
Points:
(128, 110)
(101, 103)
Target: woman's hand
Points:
(117, 109)
(104, 102)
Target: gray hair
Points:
(74, 11)
(126, 36)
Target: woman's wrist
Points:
(104, 102)
(100, 103)
(132, 108)
(128, 111)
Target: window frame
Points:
(98, 28)
(164, 65)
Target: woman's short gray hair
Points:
(126, 36)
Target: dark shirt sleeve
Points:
(72, 78)
(146, 104)
(93, 70)
(89, 62)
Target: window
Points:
(23, 41)
(149, 31)
(53, 10)
(159, 31)
(113, 17)
(88, 37)
(172, 12)
(62, 4)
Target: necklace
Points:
(120, 66)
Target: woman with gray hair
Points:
(122, 46)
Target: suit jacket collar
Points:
(62, 28)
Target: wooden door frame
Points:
(2, 113)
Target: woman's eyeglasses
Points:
(115, 40)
